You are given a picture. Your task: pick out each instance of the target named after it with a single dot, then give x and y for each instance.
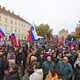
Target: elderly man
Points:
(65, 69)
(47, 65)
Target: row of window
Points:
(6, 20)
(16, 29)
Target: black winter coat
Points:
(77, 72)
(22, 57)
(2, 65)
(41, 60)
(14, 75)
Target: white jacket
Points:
(37, 75)
(76, 62)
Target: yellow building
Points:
(13, 23)
(63, 32)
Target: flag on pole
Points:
(14, 38)
(32, 35)
(45, 36)
(71, 44)
(40, 42)
(10, 39)
(52, 37)
(63, 40)
(57, 40)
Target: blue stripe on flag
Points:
(32, 36)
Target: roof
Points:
(12, 14)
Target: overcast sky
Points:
(58, 14)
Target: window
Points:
(22, 25)
(22, 30)
(0, 18)
(11, 28)
(11, 21)
(19, 29)
(19, 24)
(15, 22)
(6, 27)
(0, 25)
(15, 29)
(27, 32)
(6, 20)
(27, 26)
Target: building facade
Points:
(12, 23)
(63, 32)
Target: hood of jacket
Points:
(39, 71)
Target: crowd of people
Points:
(59, 64)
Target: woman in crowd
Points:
(13, 74)
(38, 73)
(11, 61)
(51, 75)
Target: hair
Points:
(14, 67)
(30, 51)
(52, 71)
(37, 65)
(62, 77)
(12, 61)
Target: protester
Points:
(38, 73)
(2, 65)
(51, 75)
(13, 74)
(22, 61)
(77, 71)
(11, 61)
(30, 68)
(28, 58)
(65, 69)
(47, 65)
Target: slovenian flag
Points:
(51, 36)
(63, 40)
(10, 39)
(57, 40)
(40, 42)
(32, 35)
(45, 36)
(2, 34)
(47, 53)
(71, 44)
(14, 38)
(60, 49)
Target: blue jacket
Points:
(65, 70)
(47, 65)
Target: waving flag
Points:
(2, 34)
(25, 40)
(51, 36)
(32, 35)
(57, 40)
(45, 36)
(47, 53)
(40, 42)
(71, 44)
(14, 38)
(60, 49)
(10, 39)
(63, 40)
